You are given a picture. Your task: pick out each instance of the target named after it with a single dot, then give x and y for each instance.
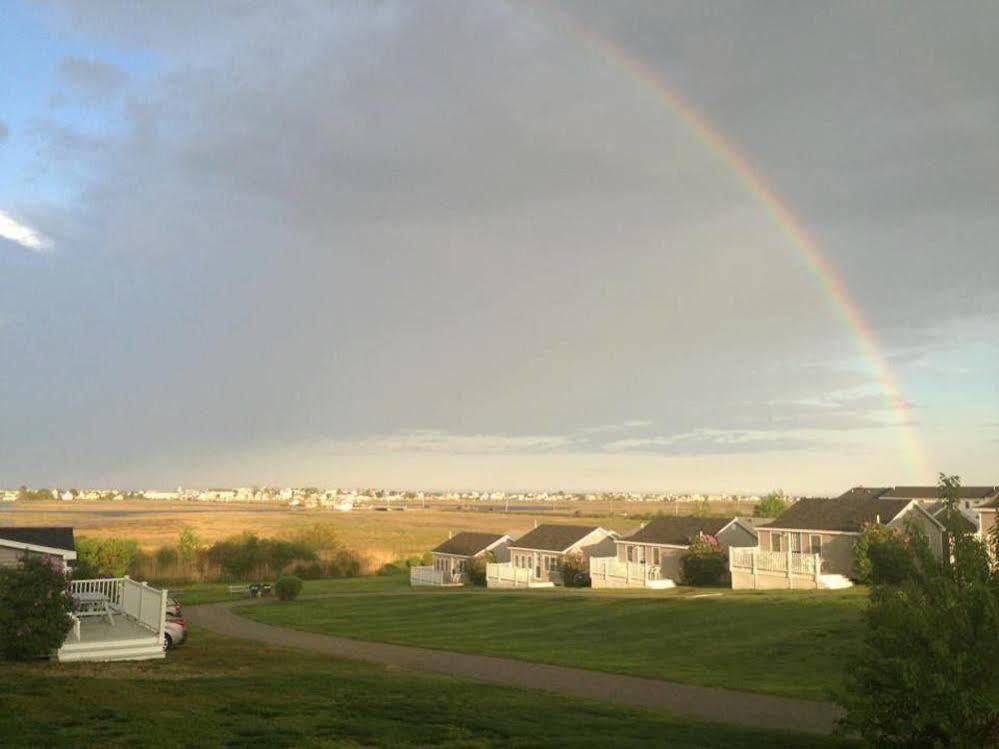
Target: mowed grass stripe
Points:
(777, 644)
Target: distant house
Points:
(651, 557)
(536, 557)
(811, 544)
(54, 543)
(452, 556)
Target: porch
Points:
(754, 568)
(427, 575)
(123, 620)
(609, 572)
(505, 575)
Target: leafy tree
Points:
(771, 506)
(166, 556)
(928, 673)
(187, 547)
(105, 557)
(317, 537)
(34, 609)
(704, 562)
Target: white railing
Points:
(425, 576)
(504, 573)
(110, 588)
(757, 560)
(135, 600)
(610, 569)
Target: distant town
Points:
(348, 499)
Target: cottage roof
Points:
(849, 514)
(51, 537)
(554, 537)
(468, 543)
(676, 531)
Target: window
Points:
(631, 553)
(775, 542)
(815, 543)
(796, 543)
(656, 555)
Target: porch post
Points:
(756, 563)
(788, 539)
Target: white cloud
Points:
(445, 442)
(25, 236)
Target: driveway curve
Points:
(705, 703)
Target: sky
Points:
(578, 245)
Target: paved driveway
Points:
(707, 703)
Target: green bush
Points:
(771, 506)
(105, 557)
(475, 568)
(310, 571)
(928, 674)
(704, 563)
(288, 587)
(345, 563)
(166, 556)
(245, 556)
(34, 609)
(879, 543)
(575, 571)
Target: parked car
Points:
(174, 632)
(173, 608)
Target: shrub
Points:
(881, 544)
(105, 557)
(34, 609)
(475, 568)
(575, 571)
(166, 556)
(246, 555)
(188, 546)
(704, 562)
(311, 571)
(345, 564)
(288, 587)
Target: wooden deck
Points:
(127, 639)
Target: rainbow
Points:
(783, 217)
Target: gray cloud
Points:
(94, 80)
(332, 223)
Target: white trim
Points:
(808, 530)
(651, 543)
(570, 547)
(66, 554)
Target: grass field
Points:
(383, 536)
(217, 692)
(785, 643)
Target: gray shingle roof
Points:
(468, 543)
(933, 492)
(52, 537)
(864, 491)
(849, 514)
(676, 531)
(553, 537)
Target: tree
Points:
(928, 671)
(880, 555)
(772, 506)
(187, 547)
(34, 609)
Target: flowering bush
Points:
(704, 562)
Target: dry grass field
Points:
(380, 535)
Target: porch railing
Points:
(429, 576)
(611, 569)
(504, 573)
(749, 558)
(138, 601)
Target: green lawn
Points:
(191, 594)
(788, 643)
(216, 691)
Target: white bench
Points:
(239, 589)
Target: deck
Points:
(138, 612)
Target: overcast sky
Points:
(461, 245)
